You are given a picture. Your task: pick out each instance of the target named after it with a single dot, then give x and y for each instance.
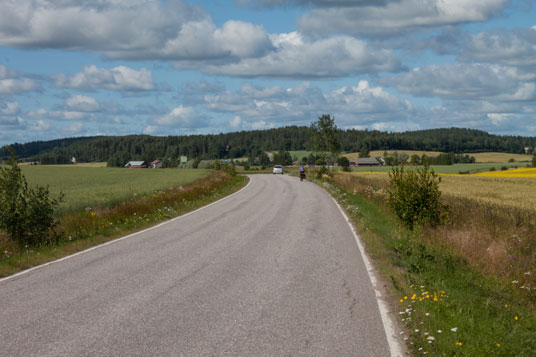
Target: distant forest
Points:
(117, 150)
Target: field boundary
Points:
(2, 280)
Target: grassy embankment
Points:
(466, 288)
(105, 203)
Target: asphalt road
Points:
(271, 271)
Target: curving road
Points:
(273, 270)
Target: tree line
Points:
(117, 150)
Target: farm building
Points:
(156, 164)
(369, 161)
(137, 164)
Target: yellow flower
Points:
(459, 343)
(506, 306)
(413, 297)
(405, 297)
(498, 345)
(401, 300)
(515, 318)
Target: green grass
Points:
(445, 306)
(91, 186)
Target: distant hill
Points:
(117, 150)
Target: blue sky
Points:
(117, 67)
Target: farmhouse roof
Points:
(155, 162)
(135, 163)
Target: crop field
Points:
(448, 169)
(515, 188)
(481, 157)
(86, 186)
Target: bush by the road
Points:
(26, 213)
(415, 197)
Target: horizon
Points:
(76, 68)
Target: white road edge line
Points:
(388, 326)
(121, 238)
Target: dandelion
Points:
(459, 343)
(516, 318)
(506, 306)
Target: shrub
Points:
(504, 168)
(415, 197)
(26, 213)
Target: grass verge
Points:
(90, 227)
(448, 305)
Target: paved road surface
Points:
(272, 271)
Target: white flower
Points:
(454, 329)
(431, 338)
(515, 282)
(427, 314)
(417, 330)
(439, 331)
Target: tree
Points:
(344, 163)
(364, 152)
(26, 213)
(325, 138)
(534, 159)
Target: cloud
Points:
(10, 84)
(58, 114)
(40, 126)
(120, 78)
(395, 17)
(9, 108)
(135, 30)
(465, 82)
(510, 47)
(303, 103)
(82, 103)
(297, 57)
(181, 117)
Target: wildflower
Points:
(401, 300)
(439, 331)
(498, 345)
(417, 330)
(515, 282)
(454, 329)
(431, 338)
(459, 343)
(516, 318)
(427, 314)
(506, 306)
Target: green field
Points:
(91, 186)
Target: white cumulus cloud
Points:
(120, 78)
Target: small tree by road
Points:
(26, 213)
(325, 138)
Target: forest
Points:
(117, 150)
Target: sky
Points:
(71, 68)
